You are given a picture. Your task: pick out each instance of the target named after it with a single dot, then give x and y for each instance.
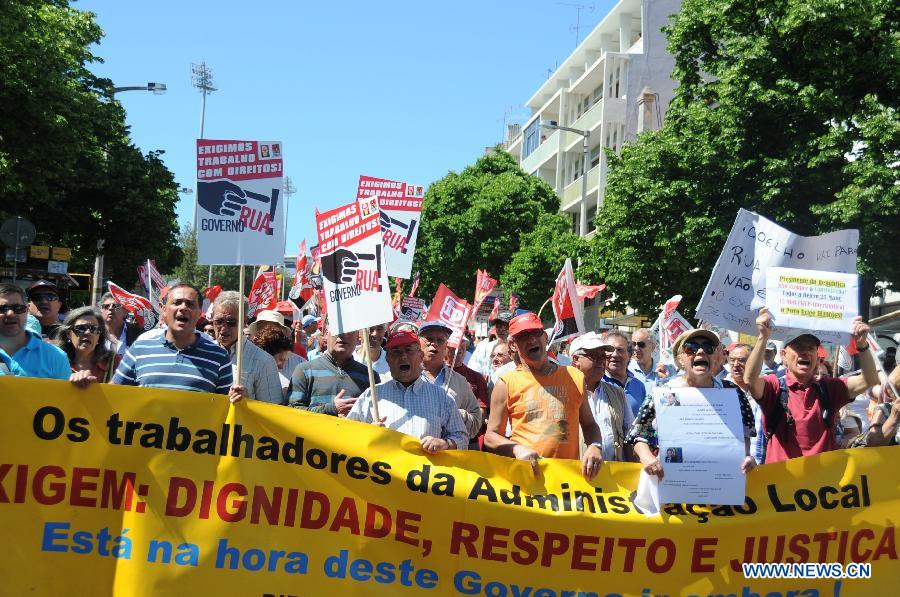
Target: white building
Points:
(615, 84)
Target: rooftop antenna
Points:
(202, 79)
(578, 8)
(507, 112)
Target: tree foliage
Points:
(477, 219)
(785, 107)
(66, 162)
(532, 270)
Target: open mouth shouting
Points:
(700, 363)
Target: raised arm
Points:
(752, 381)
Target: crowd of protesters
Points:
(509, 393)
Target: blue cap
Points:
(308, 320)
(426, 325)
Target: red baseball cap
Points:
(401, 338)
(525, 322)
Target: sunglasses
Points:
(694, 347)
(225, 322)
(86, 328)
(640, 344)
(110, 307)
(18, 309)
(37, 298)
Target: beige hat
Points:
(272, 317)
(694, 334)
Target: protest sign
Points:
(812, 300)
(143, 492)
(263, 295)
(701, 445)
(302, 290)
(567, 306)
(484, 285)
(355, 283)
(240, 212)
(401, 207)
(450, 310)
(144, 313)
(736, 289)
(411, 309)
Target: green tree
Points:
(477, 219)
(785, 107)
(66, 162)
(532, 270)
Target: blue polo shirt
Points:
(154, 362)
(40, 359)
(9, 366)
(635, 390)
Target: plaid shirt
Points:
(419, 410)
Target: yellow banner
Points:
(123, 491)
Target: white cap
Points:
(588, 341)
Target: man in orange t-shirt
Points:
(542, 401)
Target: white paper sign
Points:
(401, 216)
(240, 208)
(810, 300)
(411, 308)
(736, 289)
(701, 446)
(354, 279)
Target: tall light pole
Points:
(582, 227)
(202, 79)
(97, 282)
(289, 190)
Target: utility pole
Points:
(202, 79)
(289, 190)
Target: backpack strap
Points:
(827, 404)
(781, 410)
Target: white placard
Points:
(736, 289)
(357, 294)
(401, 218)
(804, 299)
(240, 207)
(701, 446)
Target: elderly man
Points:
(121, 333)
(606, 400)
(331, 383)
(259, 373)
(25, 348)
(799, 410)
(543, 401)
(373, 344)
(642, 364)
(433, 336)
(738, 354)
(481, 357)
(770, 365)
(273, 320)
(409, 404)
(478, 385)
(43, 302)
(617, 369)
(180, 358)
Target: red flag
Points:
(513, 302)
(302, 290)
(144, 313)
(262, 293)
(566, 305)
(495, 312)
(415, 285)
(450, 310)
(484, 284)
(211, 293)
(586, 291)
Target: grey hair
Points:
(618, 334)
(231, 298)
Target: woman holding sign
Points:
(693, 352)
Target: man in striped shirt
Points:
(409, 404)
(181, 358)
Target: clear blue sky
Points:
(400, 90)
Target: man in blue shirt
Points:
(180, 358)
(9, 366)
(617, 369)
(35, 357)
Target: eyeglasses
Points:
(224, 322)
(86, 328)
(38, 297)
(595, 356)
(110, 307)
(693, 347)
(641, 344)
(18, 309)
(436, 341)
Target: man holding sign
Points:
(798, 410)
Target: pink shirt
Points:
(808, 435)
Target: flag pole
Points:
(240, 328)
(372, 391)
(544, 305)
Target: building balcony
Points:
(572, 193)
(589, 121)
(544, 152)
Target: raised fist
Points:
(221, 197)
(340, 267)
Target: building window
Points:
(531, 138)
(595, 156)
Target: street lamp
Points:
(156, 88)
(550, 124)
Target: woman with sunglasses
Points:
(83, 337)
(694, 353)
